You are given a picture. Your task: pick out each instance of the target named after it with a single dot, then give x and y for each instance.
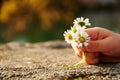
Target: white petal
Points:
(88, 24)
(81, 18)
(87, 20)
(83, 27)
(78, 19)
(75, 22)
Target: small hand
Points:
(103, 47)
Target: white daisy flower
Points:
(81, 22)
(83, 39)
(68, 36)
(77, 36)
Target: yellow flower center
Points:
(82, 39)
(69, 36)
(74, 30)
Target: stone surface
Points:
(40, 61)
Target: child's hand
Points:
(104, 46)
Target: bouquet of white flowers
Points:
(77, 36)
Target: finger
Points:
(78, 55)
(98, 45)
(92, 58)
(75, 48)
(94, 46)
(78, 51)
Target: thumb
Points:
(95, 46)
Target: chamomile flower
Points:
(81, 22)
(77, 36)
(68, 36)
(83, 39)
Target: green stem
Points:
(77, 64)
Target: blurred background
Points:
(43, 20)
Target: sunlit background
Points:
(43, 20)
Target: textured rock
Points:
(40, 61)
